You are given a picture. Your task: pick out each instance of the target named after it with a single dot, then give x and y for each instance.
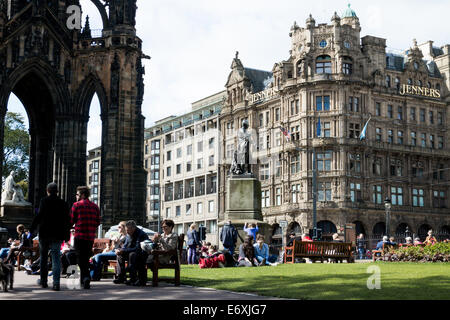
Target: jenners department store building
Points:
(334, 75)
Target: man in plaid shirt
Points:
(85, 216)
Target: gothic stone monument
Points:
(243, 190)
(55, 72)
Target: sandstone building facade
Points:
(334, 75)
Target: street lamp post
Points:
(387, 206)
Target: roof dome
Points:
(349, 13)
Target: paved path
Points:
(25, 287)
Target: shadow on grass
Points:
(330, 286)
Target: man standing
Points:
(85, 216)
(53, 220)
(132, 253)
(361, 244)
(228, 237)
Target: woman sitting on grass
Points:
(247, 256)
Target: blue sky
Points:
(192, 43)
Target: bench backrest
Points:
(322, 248)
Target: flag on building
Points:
(362, 136)
(286, 133)
(319, 129)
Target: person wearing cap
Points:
(53, 222)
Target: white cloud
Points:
(192, 43)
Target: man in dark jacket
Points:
(53, 220)
(228, 237)
(132, 253)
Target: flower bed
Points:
(439, 252)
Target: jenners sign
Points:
(407, 89)
(263, 95)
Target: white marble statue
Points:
(12, 193)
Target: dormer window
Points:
(323, 64)
(347, 65)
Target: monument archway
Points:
(55, 72)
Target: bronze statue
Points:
(241, 157)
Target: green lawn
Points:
(327, 281)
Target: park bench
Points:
(174, 263)
(378, 254)
(34, 251)
(319, 251)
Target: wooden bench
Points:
(385, 249)
(34, 251)
(319, 251)
(100, 245)
(173, 264)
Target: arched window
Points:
(423, 231)
(401, 229)
(379, 229)
(277, 235)
(347, 65)
(359, 228)
(323, 64)
(295, 227)
(410, 82)
(388, 81)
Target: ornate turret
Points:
(349, 17)
(310, 22)
(335, 19)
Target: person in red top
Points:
(85, 216)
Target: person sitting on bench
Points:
(164, 242)
(135, 256)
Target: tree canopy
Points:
(16, 147)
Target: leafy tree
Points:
(16, 147)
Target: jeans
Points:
(97, 262)
(83, 249)
(192, 254)
(260, 258)
(54, 246)
(362, 252)
(4, 253)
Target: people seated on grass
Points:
(251, 229)
(262, 252)
(68, 253)
(193, 241)
(247, 256)
(25, 242)
(214, 259)
(166, 241)
(132, 253)
(430, 239)
(204, 249)
(109, 253)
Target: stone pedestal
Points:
(243, 205)
(11, 216)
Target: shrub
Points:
(439, 252)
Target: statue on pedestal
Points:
(12, 194)
(241, 157)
